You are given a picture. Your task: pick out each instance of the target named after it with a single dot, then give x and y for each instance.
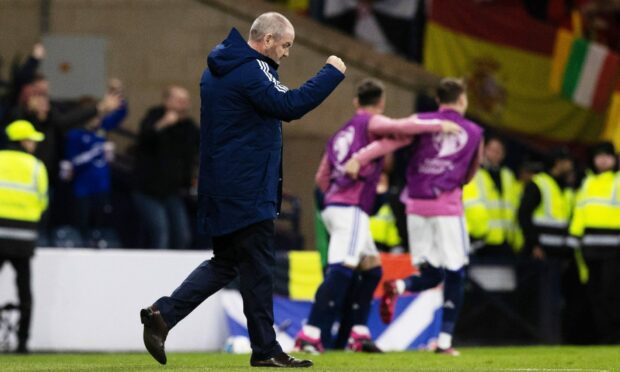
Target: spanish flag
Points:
(506, 57)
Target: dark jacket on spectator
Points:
(10, 91)
(165, 159)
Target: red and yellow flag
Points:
(506, 57)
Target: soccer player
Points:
(348, 204)
(439, 166)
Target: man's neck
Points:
(255, 46)
(451, 107)
(371, 110)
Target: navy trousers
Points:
(248, 252)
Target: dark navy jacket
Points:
(242, 104)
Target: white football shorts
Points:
(349, 235)
(441, 241)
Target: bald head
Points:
(272, 35)
(270, 23)
(177, 98)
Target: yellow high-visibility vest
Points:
(383, 227)
(596, 220)
(489, 214)
(517, 240)
(23, 186)
(554, 211)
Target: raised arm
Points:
(272, 97)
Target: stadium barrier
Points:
(89, 300)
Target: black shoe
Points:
(282, 360)
(155, 333)
(22, 349)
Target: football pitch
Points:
(604, 358)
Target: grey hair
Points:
(269, 23)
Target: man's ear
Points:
(269, 40)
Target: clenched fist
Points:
(337, 63)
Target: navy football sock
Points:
(329, 299)
(346, 320)
(453, 291)
(362, 298)
(429, 277)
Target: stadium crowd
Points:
(80, 160)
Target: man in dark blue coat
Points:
(240, 185)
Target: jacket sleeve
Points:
(72, 145)
(148, 135)
(22, 76)
(42, 184)
(273, 98)
(529, 202)
(381, 125)
(114, 119)
(322, 175)
(381, 147)
(74, 118)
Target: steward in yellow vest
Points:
(546, 208)
(490, 201)
(23, 197)
(596, 228)
(544, 216)
(384, 230)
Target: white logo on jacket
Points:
(449, 144)
(342, 143)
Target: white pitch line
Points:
(556, 369)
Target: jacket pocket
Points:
(271, 177)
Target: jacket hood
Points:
(233, 52)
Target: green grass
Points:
(472, 359)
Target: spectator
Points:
(596, 224)
(22, 177)
(34, 105)
(88, 154)
(546, 206)
(544, 214)
(527, 170)
(491, 203)
(11, 90)
(165, 161)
